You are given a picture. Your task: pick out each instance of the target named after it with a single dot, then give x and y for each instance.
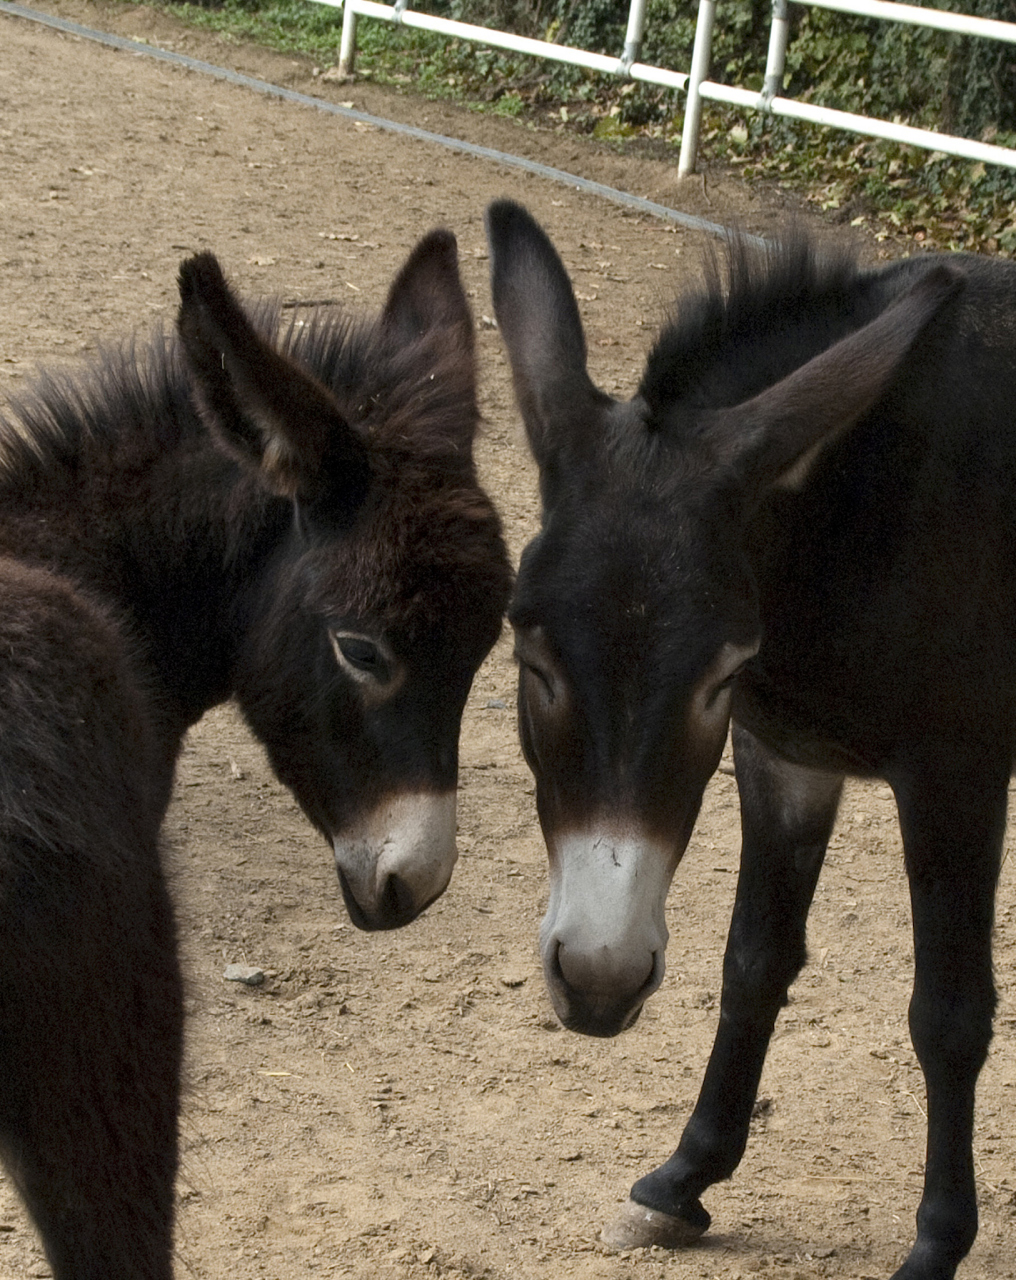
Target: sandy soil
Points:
(405, 1106)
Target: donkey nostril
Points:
(396, 899)
(552, 965)
(655, 979)
(565, 969)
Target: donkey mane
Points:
(762, 310)
(132, 400)
(130, 397)
(414, 402)
(407, 398)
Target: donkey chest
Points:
(801, 726)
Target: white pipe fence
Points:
(696, 81)
(400, 13)
(770, 102)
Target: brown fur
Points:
(187, 521)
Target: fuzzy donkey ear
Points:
(427, 296)
(267, 410)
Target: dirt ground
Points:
(401, 1106)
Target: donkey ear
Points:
(427, 295)
(539, 320)
(774, 439)
(267, 410)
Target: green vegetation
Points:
(388, 54)
(950, 83)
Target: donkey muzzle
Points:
(396, 860)
(604, 937)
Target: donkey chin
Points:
(397, 859)
(592, 1013)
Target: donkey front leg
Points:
(953, 822)
(787, 816)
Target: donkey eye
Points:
(362, 655)
(537, 663)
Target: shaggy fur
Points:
(190, 519)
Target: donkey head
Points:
(384, 577)
(636, 606)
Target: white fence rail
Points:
(696, 83)
(769, 100)
(625, 65)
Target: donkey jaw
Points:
(397, 859)
(604, 936)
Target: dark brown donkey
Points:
(803, 522)
(292, 520)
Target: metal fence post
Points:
(347, 45)
(776, 61)
(700, 58)
(633, 36)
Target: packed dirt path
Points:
(401, 1106)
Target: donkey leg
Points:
(953, 822)
(90, 1047)
(787, 816)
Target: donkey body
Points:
(803, 524)
(295, 521)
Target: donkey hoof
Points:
(637, 1227)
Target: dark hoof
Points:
(637, 1227)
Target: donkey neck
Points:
(131, 501)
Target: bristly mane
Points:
(408, 398)
(128, 397)
(132, 401)
(763, 310)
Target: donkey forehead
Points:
(440, 566)
(642, 598)
(636, 555)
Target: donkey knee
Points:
(952, 1035)
(758, 970)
